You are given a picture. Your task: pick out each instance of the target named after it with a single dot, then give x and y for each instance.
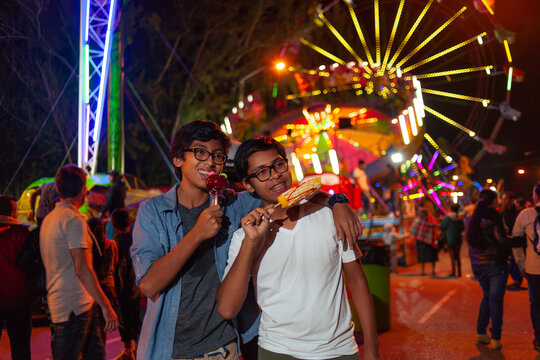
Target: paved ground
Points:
(432, 318)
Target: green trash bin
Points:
(376, 262)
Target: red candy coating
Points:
(216, 183)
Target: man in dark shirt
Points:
(116, 196)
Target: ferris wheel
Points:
(455, 55)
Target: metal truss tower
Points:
(95, 40)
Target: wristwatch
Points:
(337, 198)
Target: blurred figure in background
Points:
(48, 194)
(105, 258)
(15, 304)
(423, 230)
(129, 296)
(453, 226)
(116, 196)
(390, 238)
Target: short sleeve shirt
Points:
(62, 230)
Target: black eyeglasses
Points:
(264, 173)
(203, 155)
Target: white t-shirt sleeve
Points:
(234, 249)
(77, 235)
(350, 255)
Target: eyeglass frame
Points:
(270, 168)
(213, 154)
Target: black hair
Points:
(70, 179)
(7, 205)
(251, 146)
(97, 226)
(120, 218)
(483, 211)
(202, 130)
(361, 162)
(536, 189)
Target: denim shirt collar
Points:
(170, 200)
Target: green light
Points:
(509, 83)
(437, 173)
(274, 90)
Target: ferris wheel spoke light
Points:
(393, 35)
(430, 37)
(507, 49)
(410, 33)
(509, 82)
(454, 72)
(412, 120)
(442, 53)
(316, 163)
(455, 96)
(404, 130)
(297, 167)
(450, 121)
(489, 9)
(322, 51)
(377, 32)
(339, 37)
(447, 158)
(334, 161)
(359, 32)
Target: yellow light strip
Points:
(430, 37)
(507, 49)
(449, 121)
(488, 7)
(322, 51)
(447, 158)
(359, 31)
(377, 33)
(442, 53)
(392, 34)
(340, 38)
(453, 72)
(411, 31)
(455, 96)
(412, 120)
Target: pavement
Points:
(432, 317)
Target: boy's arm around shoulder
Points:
(363, 302)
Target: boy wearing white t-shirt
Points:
(296, 262)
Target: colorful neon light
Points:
(509, 82)
(412, 121)
(507, 49)
(446, 185)
(433, 158)
(339, 37)
(404, 130)
(334, 161)
(377, 33)
(450, 121)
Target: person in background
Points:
(48, 194)
(362, 181)
(129, 296)
(105, 259)
(527, 226)
(453, 226)
(15, 304)
(509, 214)
(116, 195)
(489, 250)
(72, 286)
(390, 238)
(423, 229)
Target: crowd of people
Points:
(217, 276)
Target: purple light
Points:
(432, 162)
(435, 197)
(450, 186)
(408, 187)
(448, 168)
